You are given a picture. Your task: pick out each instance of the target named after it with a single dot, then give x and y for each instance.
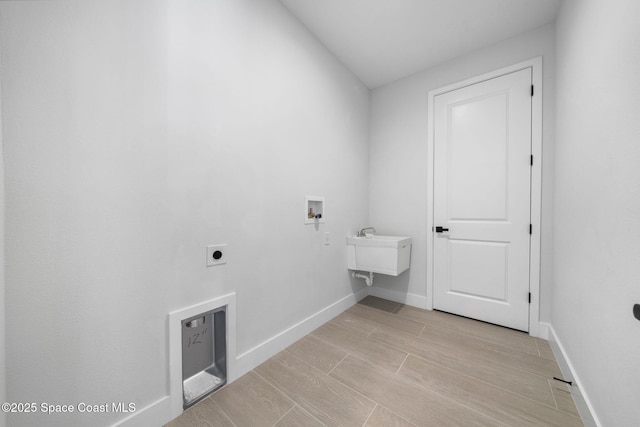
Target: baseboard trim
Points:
(156, 414)
(162, 411)
(413, 300)
(263, 351)
(580, 398)
(543, 331)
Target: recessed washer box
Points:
(216, 255)
(314, 210)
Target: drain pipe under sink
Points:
(367, 279)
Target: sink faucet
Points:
(363, 232)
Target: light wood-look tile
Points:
(486, 331)
(202, 414)
(390, 320)
(477, 365)
(544, 349)
(383, 417)
(317, 353)
(510, 408)
(326, 399)
(381, 363)
(298, 417)
(357, 324)
(492, 352)
(381, 304)
(562, 395)
(252, 401)
(356, 344)
(419, 405)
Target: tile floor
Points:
(386, 364)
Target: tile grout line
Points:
(371, 414)
(452, 348)
(466, 333)
(553, 395)
(488, 339)
(475, 379)
(290, 398)
(374, 329)
(359, 393)
(553, 403)
(294, 403)
(285, 414)
(223, 412)
(367, 338)
(311, 415)
(402, 364)
(431, 390)
(333, 378)
(337, 364)
(422, 330)
(430, 340)
(390, 315)
(398, 415)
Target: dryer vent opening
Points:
(204, 360)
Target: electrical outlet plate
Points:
(216, 255)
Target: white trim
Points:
(414, 300)
(543, 330)
(536, 181)
(169, 407)
(580, 398)
(263, 351)
(175, 344)
(536, 197)
(156, 414)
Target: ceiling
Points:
(384, 40)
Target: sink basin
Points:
(379, 254)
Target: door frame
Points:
(536, 181)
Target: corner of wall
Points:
(3, 363)
(580, 398)
(169, 407)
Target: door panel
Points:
(482, 144)
(483, 197)
(469, 272)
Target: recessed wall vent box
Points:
(204, 355)
(201, 361)
(314, 210)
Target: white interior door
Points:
(482, 187)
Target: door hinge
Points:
(531, 160)
(530, 228)
(529, 297)
(531, 90)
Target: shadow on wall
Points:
(394, 288)
(356, 284)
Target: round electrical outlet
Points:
(216, 255)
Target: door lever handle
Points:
(440, 229)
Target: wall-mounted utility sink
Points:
(379, 254)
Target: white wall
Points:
(3, 360)
(272, 117)
(597, 203)
(138, 132)
(398, 155)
